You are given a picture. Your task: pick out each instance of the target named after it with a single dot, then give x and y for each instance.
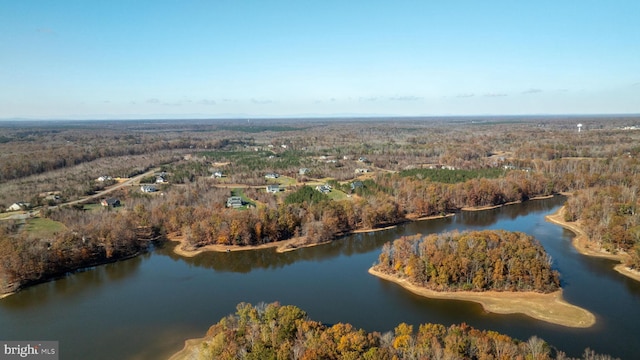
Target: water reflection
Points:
(361, 243)
(118, 310)
(75, 284)
(247, 261)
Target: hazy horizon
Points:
(282, 59)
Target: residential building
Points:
(110, 202)
(324, 188)
(18, 206)
(148, 188)
(356, 184)
(234, 202)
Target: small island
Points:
(506, 272)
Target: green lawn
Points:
(285, 181)
(337, 195)
(240, 192)
(8, 214)
(92, 207)
(41, 228)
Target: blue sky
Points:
(147, 59)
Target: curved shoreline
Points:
(281, 246)
(300, 242)
(581, 243)
(550, 308)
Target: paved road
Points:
(132, 181)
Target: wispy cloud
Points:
(405, 98)
(370, 98)
(467, 95)
(207, 102)
(262, 101)
(153, 101)
(636, 84)
(494, 95)
(532, 91)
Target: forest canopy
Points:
(496, 260)
(274, 331)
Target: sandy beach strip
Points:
(551, 307)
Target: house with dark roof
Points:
(356, 185)
(110, 202)
(235, 202)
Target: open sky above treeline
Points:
(76, 59)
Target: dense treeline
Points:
(89, 239)
(453, 176)
(203, 219)
(273, 331)
(473, 261)
(609, 216)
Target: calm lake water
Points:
(144, 308)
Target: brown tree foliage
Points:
(473, 261)
(274, 331)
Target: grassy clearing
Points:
(9, 214)
(40, 227)
(286, 181)
(337, 195)
(92, 207)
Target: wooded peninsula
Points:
(274, 331)
(506, 272)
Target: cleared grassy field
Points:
(41, 228)
(337, 195)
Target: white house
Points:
(104, 178)
(324, 188)
(148, 188)
(273, 189)
(18, 206)
(272, 176)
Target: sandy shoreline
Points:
(583, 246)
(300, 242)
(281, 246)
(489, 207)
(551, 307)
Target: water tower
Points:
(579, 127)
